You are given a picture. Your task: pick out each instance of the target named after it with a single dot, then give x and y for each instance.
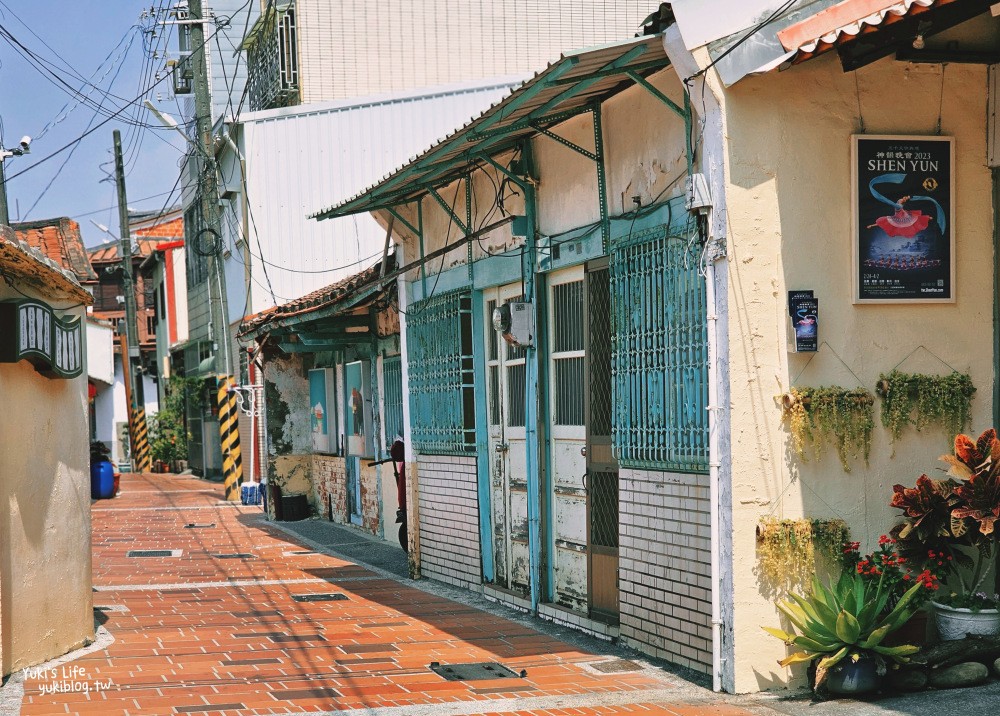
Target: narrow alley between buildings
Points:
(243, 618)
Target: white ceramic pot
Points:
(955, 622)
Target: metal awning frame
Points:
(480, 141)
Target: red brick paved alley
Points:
(205, 633)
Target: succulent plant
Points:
(847, 620)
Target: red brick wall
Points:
(330, 480)
(173, 229)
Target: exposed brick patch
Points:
(330, 487)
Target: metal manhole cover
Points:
(237, 555)
(616, 666)
(475, 672)
(153, 553)
(197, 526)
(319, 597)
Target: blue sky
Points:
(102, 42)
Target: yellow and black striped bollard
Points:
(142, 460)
(229, 434)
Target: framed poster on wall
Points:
(903, 199)
(358, 409)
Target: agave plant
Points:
(848, 620)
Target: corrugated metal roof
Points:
(845, 21)
(566, 87)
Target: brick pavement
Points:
(221, 629)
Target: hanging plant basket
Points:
(787, 550)
(821, 416)
(925, 400)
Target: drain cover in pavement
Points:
(319, 597)
(616, 666)
(474, 672)
(196, 526)
(237, 555)
(153, 553)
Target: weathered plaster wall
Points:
(790, 228)
(371, 503)
(289, 436)
(45, 563)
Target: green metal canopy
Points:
(572, 85)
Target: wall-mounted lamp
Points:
(923, 27)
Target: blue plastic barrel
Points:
(102, 480)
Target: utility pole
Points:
(232, 464)
(131, 362)
(128, 285)
(209, 191)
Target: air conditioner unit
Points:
(516, 323)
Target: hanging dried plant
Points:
(844, 417)
(787, 550)
(925, 400)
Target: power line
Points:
(100, 124)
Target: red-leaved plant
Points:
(940, 516)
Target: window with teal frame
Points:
(660, 351)
(442, 388)
(392, 377)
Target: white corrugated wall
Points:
(304, 159)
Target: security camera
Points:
(25, 142)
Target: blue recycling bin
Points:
(102, 480)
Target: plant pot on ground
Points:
(846, 622)
(958, 622)
(945, 520)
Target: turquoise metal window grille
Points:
(392, 378)
(442, 389)
(660, 352)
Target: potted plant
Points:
(843, 629)
(897, 574)
(945, 519)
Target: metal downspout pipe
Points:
(711, 155)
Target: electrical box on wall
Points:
(516, 323)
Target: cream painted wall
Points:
(46, 607)
(788, 197)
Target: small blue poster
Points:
(318, 410)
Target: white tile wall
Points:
(665, 566)
(449, 520)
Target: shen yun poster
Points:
(904, 236)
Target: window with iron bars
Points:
(392, 390)
(272, 62)
(442, 384)
(660, 351)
